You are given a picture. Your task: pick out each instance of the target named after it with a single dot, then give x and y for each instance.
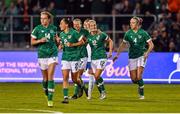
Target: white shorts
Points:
(98, 64)
(71, 65)
(83, 63)
(45, 62)
(134, 63)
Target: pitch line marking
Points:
(44, 111)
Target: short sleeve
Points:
(105, 36)
(147, 36)
(34, 33)
(78, 36)
(125, 39)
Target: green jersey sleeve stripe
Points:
(107, 38)
(124, 41)
(80, 38)
(149, 40)
(33, 36)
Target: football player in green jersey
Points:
(88, 67)
(97, 42)
(77, 25)
(137, 38)
(71, 40)
(86, 24)
(43, 36)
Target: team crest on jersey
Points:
(69, 36)
(98, 37)
(139, 36)
(51, 31)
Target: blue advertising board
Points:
(23, 67)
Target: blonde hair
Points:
(78, 20)
(50, 16)
(92, 21)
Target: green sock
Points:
(50, 89)
(45, 85)
(83, 84)
(141, 87)
(65, 92)
(135, 82)
(100, 85)
(75, 89)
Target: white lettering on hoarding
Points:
(18, 67)
(117, 72)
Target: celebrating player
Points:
(71, 40)
(77, 24)
(97, 40)
(43, 36)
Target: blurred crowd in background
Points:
(165, 32)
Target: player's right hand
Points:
(42, 40)
(60, 47)
(115, 58)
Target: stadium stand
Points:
(18, 17)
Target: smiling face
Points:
(77, 25)
(92, 26)
(63, 25)
(86, 25)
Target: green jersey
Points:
(49, 48)
(137, 42)
(96, 42)
(70, 53)
(83, 50)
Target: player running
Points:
(43, 36)
(137, 38)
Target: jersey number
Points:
(94, 42)
(47, 35)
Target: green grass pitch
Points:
(121, 98)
